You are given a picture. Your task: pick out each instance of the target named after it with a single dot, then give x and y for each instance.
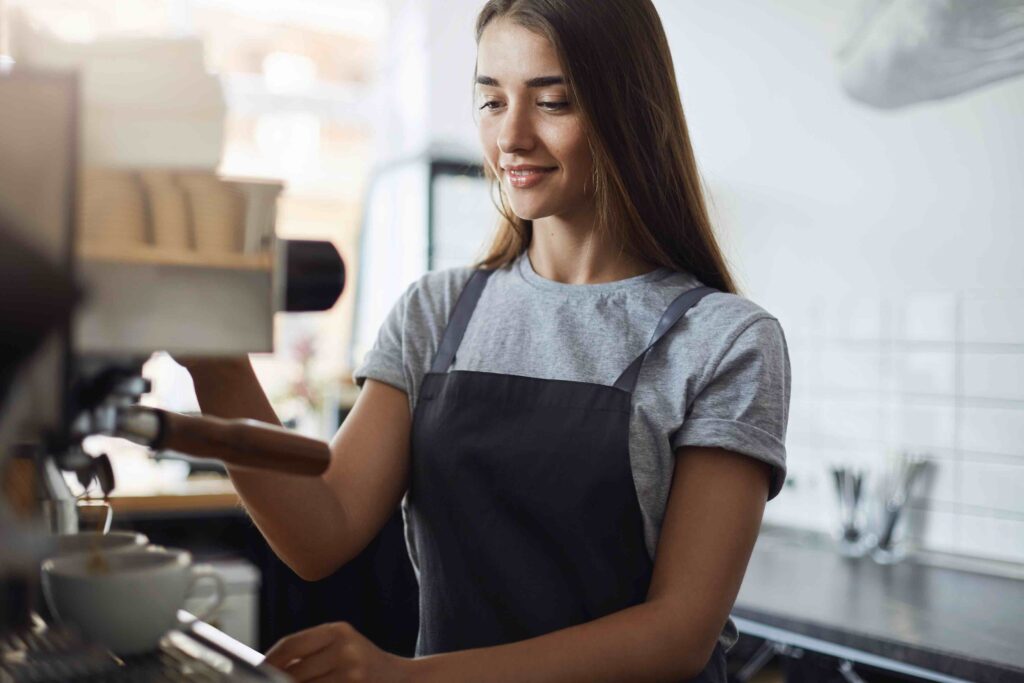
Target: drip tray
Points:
(53, 654)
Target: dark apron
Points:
(524, 513)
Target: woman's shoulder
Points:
(432, 296)
(719, 310)
(728, 309)
(718, 319)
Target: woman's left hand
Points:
(336, 652)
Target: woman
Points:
(588, 424)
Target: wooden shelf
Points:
(157, 256)
(214, 494)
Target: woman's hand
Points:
(336, 652)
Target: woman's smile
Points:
(524, 177)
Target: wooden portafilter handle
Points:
(244, 443)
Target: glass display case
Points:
(423, 213)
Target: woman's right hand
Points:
(227, 386)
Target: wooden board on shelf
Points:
(158, 256)
(193, 495)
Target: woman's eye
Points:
(553, 106)
(490, 104)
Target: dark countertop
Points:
(963, 624)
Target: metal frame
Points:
(439, 167)
(844, 653)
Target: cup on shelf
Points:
(112, 208)
(128, 599)
(218, 213)
(168, 211)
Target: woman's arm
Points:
(317, 524)
(711, 523)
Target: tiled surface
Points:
(993, 485)
(997, 538)
(922, 424)
(851, 418)
(850, 368)
(993, 318)
(940, 373)
(923, 372)
(927, 317)
(994, 375)
(992, 430)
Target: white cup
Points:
(129, 603)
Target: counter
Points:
(957, 625)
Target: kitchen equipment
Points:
(42, 653)
(88, 381)
(891, 546)
(66, 379)
(852, 537)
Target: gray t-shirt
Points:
(720, 377)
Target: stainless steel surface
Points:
(59, 507)
(962, 624)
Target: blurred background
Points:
(865, 196)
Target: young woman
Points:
(584, 428)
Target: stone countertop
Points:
(959, 623)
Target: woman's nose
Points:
(516, 133)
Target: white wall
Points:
(888, 244)
(917, 198)
(427, 81)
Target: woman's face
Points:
(532, 135)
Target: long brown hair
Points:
(647, 190)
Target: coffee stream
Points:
(97, 563)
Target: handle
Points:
(205, 571)
(245, 443)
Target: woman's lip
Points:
(526, 178)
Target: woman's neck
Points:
(579, 257)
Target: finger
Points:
(299, 645)
(329, 678)
(314, 666)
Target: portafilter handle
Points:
(244, 443)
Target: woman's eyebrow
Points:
(538, 82)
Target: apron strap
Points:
(457, 324)
(675, 311)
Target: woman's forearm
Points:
(648, 642)
(299, 516)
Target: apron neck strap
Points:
(459, 321)
(673, 314)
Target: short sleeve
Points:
(384, 362)
(744, 405)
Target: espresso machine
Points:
(77, 323)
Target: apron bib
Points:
(522, 506)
